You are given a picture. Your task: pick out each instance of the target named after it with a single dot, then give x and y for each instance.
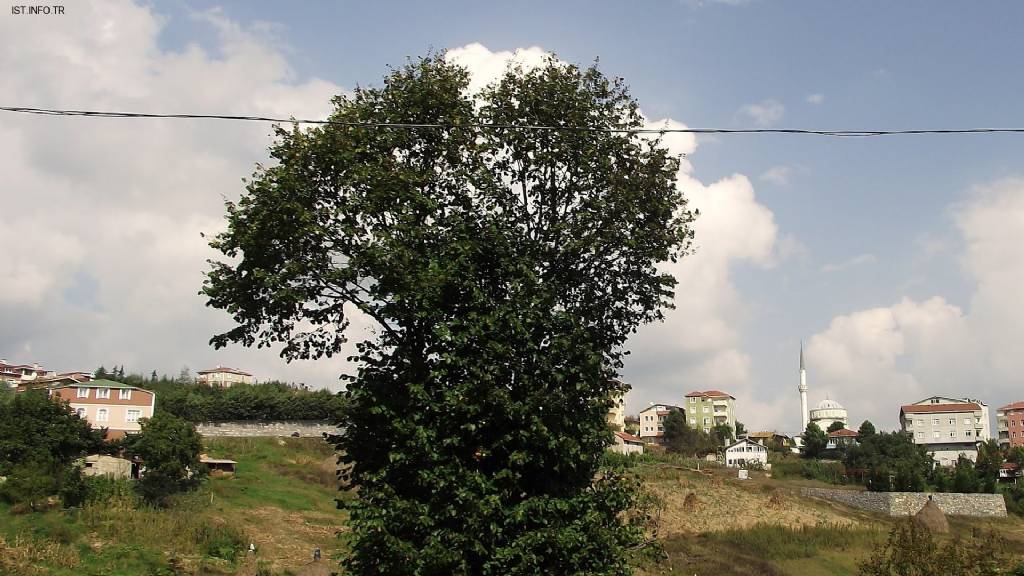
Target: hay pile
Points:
(931, 518)
(690, 503)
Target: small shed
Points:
(627, 444)
(218, 466)
(103, 465)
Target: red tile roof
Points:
(930, 408)
(628, 437)
(843, 432)
(709, 394)
(1013, 406)
(224, 369)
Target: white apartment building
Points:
(744, 453)
(948, 427)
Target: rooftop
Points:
(843, 433)
(1013, 406)
(225, 369)
(709, 394)
(935, 408)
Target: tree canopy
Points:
(503, 271)
(892, 461)
(815, 441)
(169, 448)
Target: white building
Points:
(743, 453)
(948, 427)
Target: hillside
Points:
(282, 500)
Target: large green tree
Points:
(988, 463)
(815, 441)
(504, 269)
(39, 440)
(169, 448)
(889, 461)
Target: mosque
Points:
(828, 411)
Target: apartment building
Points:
(107, 404)
(948, 427)
(224, 377)
(617, 413)
(705, 410)
(652, 422)
(15, 374)
(1010, 424)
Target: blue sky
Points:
(852, 227)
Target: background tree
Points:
(965, 478)
(987, 465)
(505, 270)
(833, 427)
(740, 429)
(39, 440)
(891, 461)
(676, 433)
(722, 434)
(101, 373)
(866, 429)
(169, 448)
(815, 441)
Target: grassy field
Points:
(282, 500)
(714, 524)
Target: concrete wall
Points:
(909, 503)
(242, 428)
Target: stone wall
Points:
(909, 503)
(242, 428)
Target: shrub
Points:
(911, 551)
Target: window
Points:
(952, 433)
(967, 421)
(920, 435)
(952, 421)
(693, 400)
(133, 416)
(910, 423)
(83, 392)
(920, 421)
(101, 415)
(103, 392)
(967, 433)
(935, 434)
(80, 412)
(661, 428)
(125, 394)
(706, 421)
(935, 421)
(693, 410)
(707, 410)
(693, 421)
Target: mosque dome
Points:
(829, 405)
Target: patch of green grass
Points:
(785, 543)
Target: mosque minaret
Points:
(828, 411)
(803, 391)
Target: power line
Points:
(408, 125)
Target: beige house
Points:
(17, 374)
(652, 422)
(627, 444)
(617, 414)
(705, 410)
(224, 377)
(111, 405)
(947, 427)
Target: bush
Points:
(830, 472)
(785, 543)
(910, 550)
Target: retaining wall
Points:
(242, 428)
(909, 503)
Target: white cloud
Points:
(764, 114)
(874, 360)
(105, 256)
(778, 175)
(488, 66)
(858, 260)
(816, 99)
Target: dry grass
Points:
(24, 556)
